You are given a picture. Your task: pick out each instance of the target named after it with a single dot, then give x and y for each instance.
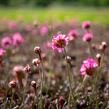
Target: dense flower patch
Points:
(53, 66)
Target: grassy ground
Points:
(100, 16)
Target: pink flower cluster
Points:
(88, 67)
(15, 40)
(59, 42)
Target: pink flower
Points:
(59, 42)
(86, 25)
(47, 45)
(12, 25)
(6, 42)
(88, 37)
(43, 31)
(17, 39)
(2, 52)
(73, 34)
(88, 67)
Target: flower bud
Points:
(27, 69)
(12, 84)
(33, 84)
(37, 50)
(104, 45)
(98, 56)
(86, 25)
(18, 72)
(68, 59)
(36, 62)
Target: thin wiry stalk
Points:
(71, 94)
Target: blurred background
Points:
(45, 3)
(52, 10)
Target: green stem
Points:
(12, 99)
(71, 94)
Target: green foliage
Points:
(48, 2)
(4, 2)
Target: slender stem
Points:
(71, 94)
(42, 81)
(90, 49)
(12, 99)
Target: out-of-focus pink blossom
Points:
(86, 25)
(59, 41)
(47, 45)
(73, 34)
(28, 28)
(43, 30)
(88, 67)
(18, 69)
(6, 42)
(88, 37)
(2, 52)
(17, 39)
(12, 25)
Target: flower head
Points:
(6, 42)
(86, 25)
(88, 37)
(17, 39)
(88, 67)
(59, 42)
(73, 34)
(2, 52)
